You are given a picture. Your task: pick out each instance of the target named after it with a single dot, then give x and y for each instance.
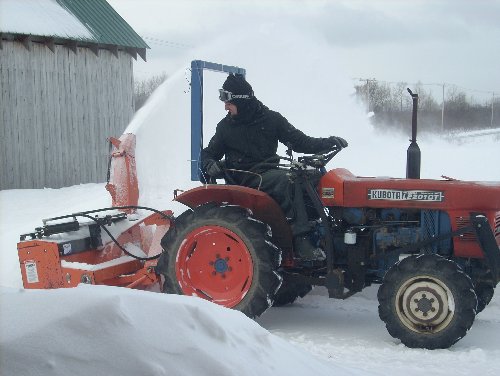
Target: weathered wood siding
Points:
(56, 111)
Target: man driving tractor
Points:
(248, 139)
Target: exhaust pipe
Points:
(413, 152)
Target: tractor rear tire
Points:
(427, 302)
(289, 291)
(224, 255)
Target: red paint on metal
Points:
(214, 263)
(263, 207)
(42, 257)
(123, 185)
(459, 199)
(352, 191)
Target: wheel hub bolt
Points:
(424, 305)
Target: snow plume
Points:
(297, 74)
(288, 73)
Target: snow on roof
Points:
(40, 17)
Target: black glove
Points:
(214, 169)
(338, 142)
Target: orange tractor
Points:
(431, 245)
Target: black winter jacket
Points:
(254, 139)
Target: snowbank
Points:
(101, 330)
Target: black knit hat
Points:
(236, 84)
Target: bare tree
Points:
(399, 97)
(144, 88)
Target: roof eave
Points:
(51, 41)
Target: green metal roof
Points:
(73, 23)
(105, 24)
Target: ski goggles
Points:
(227, 96)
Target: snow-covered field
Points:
(93, 330)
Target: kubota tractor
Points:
(429, 244)
(432, 245)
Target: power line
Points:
(167, 43)
(491, 92)
(373, 81)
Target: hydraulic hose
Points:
(101, 225)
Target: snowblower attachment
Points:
(112, 246)
(115, 249)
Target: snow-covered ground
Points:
(101, 330)
(93, 330)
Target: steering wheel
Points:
(319, 160)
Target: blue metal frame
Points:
(197, 67)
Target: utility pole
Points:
(368, 94)
(442, 113)
(492, 102)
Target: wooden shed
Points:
(66, 85)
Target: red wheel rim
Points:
(215, 264)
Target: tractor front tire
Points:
(221, 254)
(427, 302)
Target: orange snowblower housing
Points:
(84, 255)
(452, 199)
(113, 246)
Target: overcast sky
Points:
(454, 41)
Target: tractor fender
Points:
(263, 207)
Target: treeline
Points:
(144, 88)
(391, 105)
